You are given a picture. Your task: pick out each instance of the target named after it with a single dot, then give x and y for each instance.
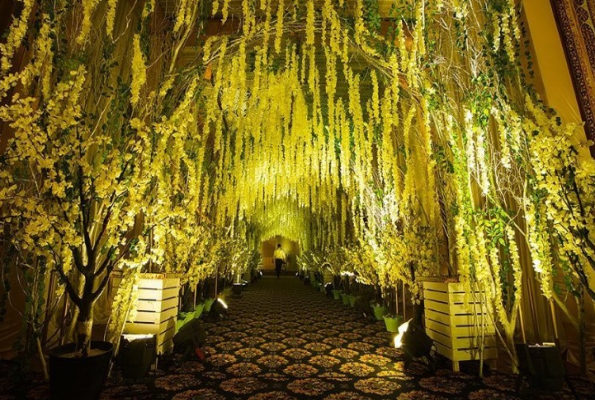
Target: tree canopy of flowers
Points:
(416, 136)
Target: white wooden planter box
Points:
(455, 327)
(157, 308)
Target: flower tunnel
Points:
(392, 142)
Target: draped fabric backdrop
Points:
(576, 23)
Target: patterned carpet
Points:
(285, 340)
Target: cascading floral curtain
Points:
(413, 133)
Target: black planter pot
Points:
(136, 356)
(77, 378)
(542, 365)
(236, 289)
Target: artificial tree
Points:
(187, 241)
(84, 150)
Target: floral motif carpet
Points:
(285, 340)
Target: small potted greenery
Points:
(379, 306)
(346, 289)
(336, 287)
(345, 296)
(392, 320)
(355, 291)
(352, 299)
(379, 309)
(337, 294)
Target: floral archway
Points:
(410, 136)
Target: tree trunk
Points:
(44, 367)
(84, 326)
(84, 322)
(582, 334)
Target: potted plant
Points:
(392, 322)
(236, 289)
(346, 288)
(378, 304)
(352, 300)
(345, 297)
(337, 294)
(337, 286)
(379, 309)
(352, 295)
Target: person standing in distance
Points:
(280, 259)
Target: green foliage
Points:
(372, 17)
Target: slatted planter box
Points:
(157, 309)
(456, 327)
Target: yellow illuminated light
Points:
(136, 336)
(223, 303)
(399, 338)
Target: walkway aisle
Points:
(284, 340)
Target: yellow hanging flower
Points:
(310, 19)
(279, 27)
(17, 32)
(88, 9)
(139, 70)
(111, 17)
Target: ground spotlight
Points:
(415, 343)
(401, 332)
(222, 302)
(219, 309)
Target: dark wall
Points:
(7, 8)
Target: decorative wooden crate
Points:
(157, 309)
(456, 327)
